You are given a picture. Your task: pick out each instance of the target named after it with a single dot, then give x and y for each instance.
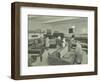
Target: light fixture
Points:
(73, 27)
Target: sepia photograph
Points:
(57, 40)
(53, 40)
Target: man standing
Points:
(47, 43)
(78, 53)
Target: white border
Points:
(25, 70)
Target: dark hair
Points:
(73, 36)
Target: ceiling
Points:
(50, 19)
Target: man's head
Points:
(73, 36)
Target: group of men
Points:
(72, 46)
